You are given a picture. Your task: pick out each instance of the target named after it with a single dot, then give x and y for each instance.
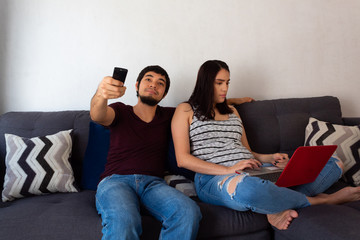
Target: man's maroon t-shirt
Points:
(137, 147)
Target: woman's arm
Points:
(278, 159)
(180, 127)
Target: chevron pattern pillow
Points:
(346, 137)
(38, 165)
(182, 184)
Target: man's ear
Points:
(137, 86)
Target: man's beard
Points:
(149, 100)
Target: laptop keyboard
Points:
(272, 177)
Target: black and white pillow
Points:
(346, 137)
(39, 165)
(182, 184)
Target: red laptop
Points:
(303, 167)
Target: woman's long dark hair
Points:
(202, 98)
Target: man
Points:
(136, 159)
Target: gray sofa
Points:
(271, 125)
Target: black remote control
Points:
(120, 74)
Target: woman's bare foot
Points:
(347, 194)
(283, 219)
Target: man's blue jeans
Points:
(257, 195)
(118, 200)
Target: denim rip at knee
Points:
(243, 193)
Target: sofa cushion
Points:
(37, 166)
(355, 205)
(346, 137)
(95, 155)
(218, 222)
(55, 216)
(335, 222)
(279, 125)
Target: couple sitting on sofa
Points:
(209, 139)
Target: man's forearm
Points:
(238, 101)
(98, 108)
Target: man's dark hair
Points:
(156, 69)
(202, 98)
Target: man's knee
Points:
(194, 210)
(122, 225)
(190, 212)
(128, 221)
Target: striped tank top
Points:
(218, 141)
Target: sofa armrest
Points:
(351, 121)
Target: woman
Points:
(210, 140)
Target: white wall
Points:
(53, 53)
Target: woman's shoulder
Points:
(232, 107)
(184, 111)
(184, 107)
(234, 110)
